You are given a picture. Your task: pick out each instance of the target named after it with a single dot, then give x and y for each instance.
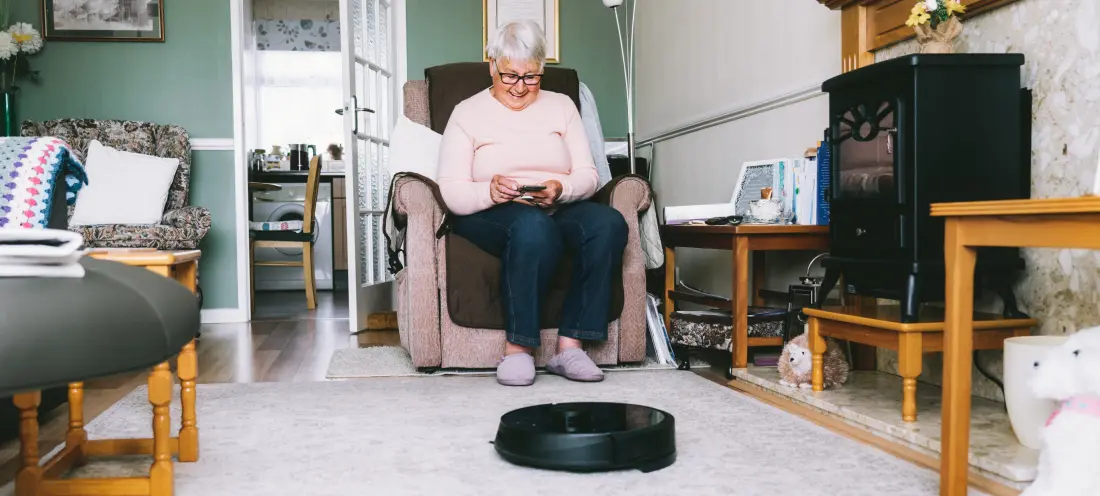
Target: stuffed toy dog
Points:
(1070, 375)
(796, 363)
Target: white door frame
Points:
(240, 27)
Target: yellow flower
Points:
(22, 38)
(954, 7)
(916, 19)
(918, 9)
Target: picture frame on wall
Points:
(103, 20)
(496, 13)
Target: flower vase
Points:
(941, 38)
(1026, 413)
(8, 103)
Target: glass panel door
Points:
(370, 88)
(867, 139)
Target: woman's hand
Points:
(548, 196)
(502, 189)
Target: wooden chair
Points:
(289, 235)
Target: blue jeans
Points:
(530, 242)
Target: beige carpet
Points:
(413, 436)
(394, 361)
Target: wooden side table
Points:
(740, 240)
(1047, 223)
(182, 266)
(881, 326)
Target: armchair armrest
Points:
(628, 193)
(191, 216)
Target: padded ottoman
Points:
(115, 319)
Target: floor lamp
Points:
(626, 48)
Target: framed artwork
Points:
(496, 13)
(755, 176)
(103, 20)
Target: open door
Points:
(370, 91)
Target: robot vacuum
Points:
(588, 437)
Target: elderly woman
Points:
(497, 143)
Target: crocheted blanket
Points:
(29, 169)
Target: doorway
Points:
(306, 67)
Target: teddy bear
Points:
(1070, 375)
(796, 363)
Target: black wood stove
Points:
(913, 131)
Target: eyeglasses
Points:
(513, 78)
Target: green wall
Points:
(444, 31)
(186, 81)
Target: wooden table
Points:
(183, 266)
(881, 326)
(1047, 223)
(740, 240)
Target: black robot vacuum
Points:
(588, 437)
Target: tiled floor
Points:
(872, 400)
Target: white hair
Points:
(519, 41)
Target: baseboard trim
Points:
(976, 480)
(223, 316)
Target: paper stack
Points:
(40, 253)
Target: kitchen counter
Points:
(289, 176)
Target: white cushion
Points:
(414, 148)
(123, 187)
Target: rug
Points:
(410, 436)
(394, 361)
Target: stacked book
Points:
(805, 186)
(40, 253)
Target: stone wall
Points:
(1060, 40)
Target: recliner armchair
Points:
(449, 311)
(183, 226)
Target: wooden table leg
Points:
(28, 479)
(817, 349)
(187, 368)
(958, 346)
(670, 284)
(186, 274)
(77, 437)
(740, 302)
(759, 271)
(909, 367)
(160, 395)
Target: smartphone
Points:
(532, 187)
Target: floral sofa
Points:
(183, 226)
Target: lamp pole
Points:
(626, 49)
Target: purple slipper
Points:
(516, 370)
(574, 364)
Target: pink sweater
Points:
(544, 141)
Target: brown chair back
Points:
(450, 84)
